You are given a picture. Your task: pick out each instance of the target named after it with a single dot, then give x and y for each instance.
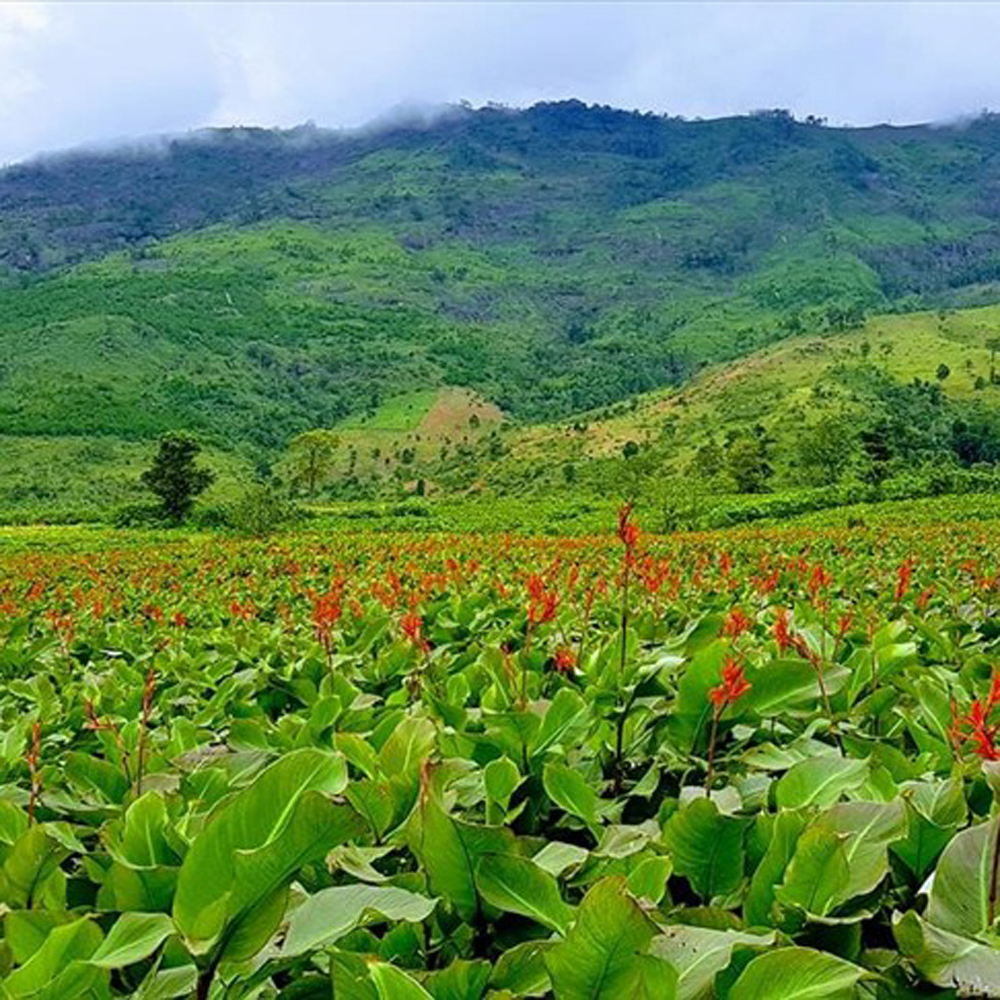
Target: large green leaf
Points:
(707, 847)
(700, 953)
(168, 984)
(948, 960)
(842, 854)
(31, 874)
(407, 747)
(815, 873)
(604, 954)
(759, 907)
(522, 970)
(959, 900)
(256, 842)
(394, 984)
(783, 683)
(133, 937)
(571, 792)
(517, 885)
(449, 850)
(331, 913)
(797, 974)
(58, 970)
(462, 980)
(563, 720)
(144, 841)
(820, 781)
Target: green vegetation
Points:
(750, 766)
(558, 263)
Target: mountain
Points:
(249, 284)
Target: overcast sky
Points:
(73, 73)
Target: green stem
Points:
(991, 902)
(710, 774)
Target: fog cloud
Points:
(94, 72)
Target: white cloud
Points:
(74, 72)
(20, 24)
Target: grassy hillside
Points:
(249, 285)
(785, 388)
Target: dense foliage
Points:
(478, 766)
(251, 285)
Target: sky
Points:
(92, 73)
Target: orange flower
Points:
(737, 622)
(782, 633)
(412, 627)
(734, 685)
(564, 661)
(628, 530)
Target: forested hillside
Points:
(249, 285)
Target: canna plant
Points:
(480, 771)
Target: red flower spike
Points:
(734, 685)
(737, 622)
(628, 530)
(412, 627)
(903, 576)
(781, 631)
(564, 660)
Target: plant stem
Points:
(818, 666)
(710, 774)
(991, 902)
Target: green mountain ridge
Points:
(248, 285)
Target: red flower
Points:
(542, 603)
(412, 627)
(737, 622)
(975, 727)
(326, 612)
(734, 685)
(782, 633)
(564, 660)
(844, 623)
(903, 576)
(628, 530)
(994, 696)
(982, 735)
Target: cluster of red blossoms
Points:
(326, 612)
(542, 602)
(628, 530)
(734, 685)
(975, 727)
(564, 660)
(411, 625)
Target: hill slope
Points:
(249, 285)
(888, 368)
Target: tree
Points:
(174, 477)
(993, 344)
(876, 442)
(309, 456)
(260, 511)
(943, 371)
(824, 450)
(708, 460)
(746, 462)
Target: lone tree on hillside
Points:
(174, 477)
(747, 463)
(310, 455)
